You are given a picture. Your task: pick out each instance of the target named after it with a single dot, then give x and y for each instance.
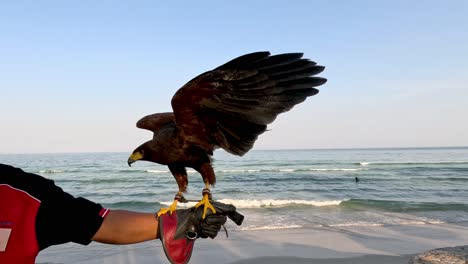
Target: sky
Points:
(75, 76)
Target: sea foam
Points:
(278, 203)
(51, 171)
(269, 227)
(157, 171)
(268, 203)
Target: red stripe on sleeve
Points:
(103, 212)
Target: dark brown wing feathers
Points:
(230, 106)
(155, 121)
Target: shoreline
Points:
(370, 244)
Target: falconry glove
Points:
(179, 230)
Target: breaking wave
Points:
(412, 163)
(51, 171)
(279, 203)
(401, 206)
(269, 227)
(265, 203)
(265, 170)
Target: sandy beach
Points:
(331, 245)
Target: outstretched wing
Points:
(155, 122)
(230, 106)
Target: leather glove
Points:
(179, 230)
(191, 224)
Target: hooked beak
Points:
(134, 157)
(130, 161)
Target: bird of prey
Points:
(228, 108)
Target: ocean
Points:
(281, 189)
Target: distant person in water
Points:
(356, 179)
(36, 214)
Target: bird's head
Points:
(140, 153)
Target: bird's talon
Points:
(206, 202)
(169, 210)
(213, 210)
(165, 211)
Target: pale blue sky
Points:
(77, 75)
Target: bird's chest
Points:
(170, 154)
(167, 149)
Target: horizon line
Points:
(266, 149)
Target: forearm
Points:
(127, 227)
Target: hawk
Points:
(227, 107)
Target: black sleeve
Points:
(65, 218)
(61, 218)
